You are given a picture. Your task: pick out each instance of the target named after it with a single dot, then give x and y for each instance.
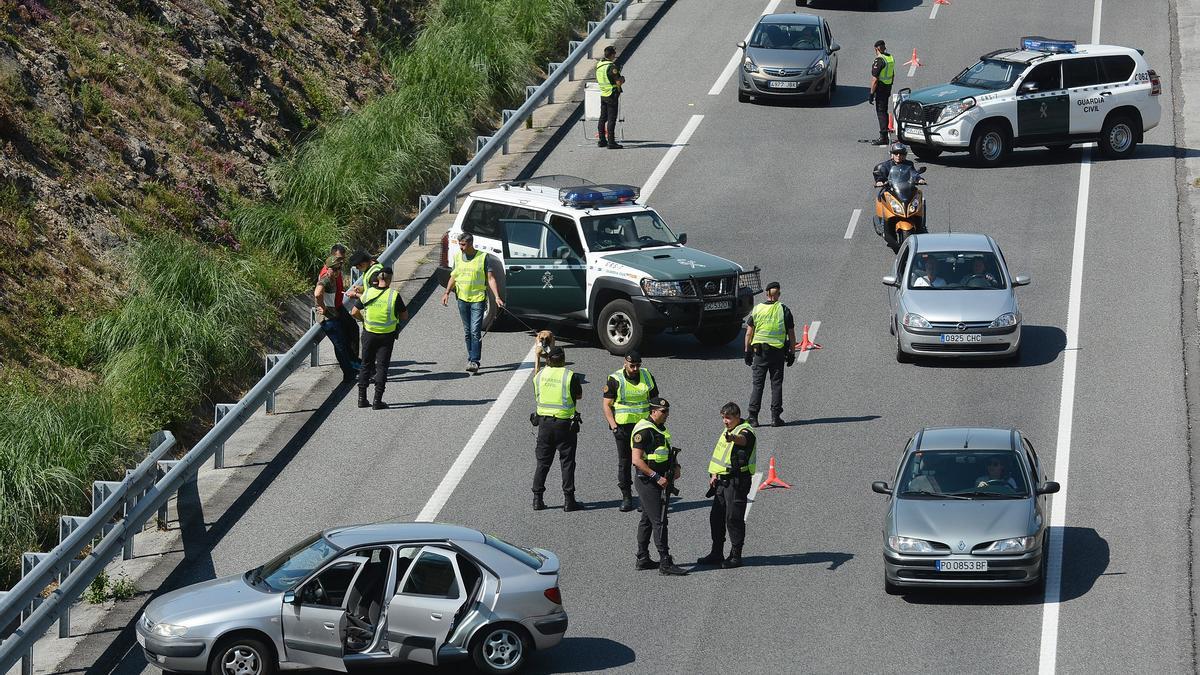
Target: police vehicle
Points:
(1050, 93)
(591, 256)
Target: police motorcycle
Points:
(900, 205)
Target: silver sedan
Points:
(969, 508)
(951, 295)
(389, 593)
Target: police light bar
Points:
(1036, 43)
(584, 196)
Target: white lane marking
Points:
(933, 12)
(1096, 9)
(853, 221)
(802, 357)
(665, 163)
(753, 492)
(736, 59)
(471, 450)
(1062, 459)
(912, 70)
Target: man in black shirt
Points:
(556, 389)
(381, 309)
(627, 397)
(883, 73)
(650, 453)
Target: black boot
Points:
(569, 503)
(667, 567)
(734, 559)
(602, 142)
(538, 504)
(882, 140)
(777, 421)
(753, 421)
(626, 501)
(362, 398)
(716, 557)
(378, 404)
(645, 562)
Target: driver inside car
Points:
(929, 278)
(981, 276)
(997, 474)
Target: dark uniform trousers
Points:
(650, 495)
(376, 357)
(883, 97)
(607, 126)
(555, 434)
(624, 456)
(767, 361)
(729, 511)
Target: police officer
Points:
(729, 477)
(770, 335)
(627, 397)
(556, 389)
(883, 72)
(381, 310)
(650, 453)
(610, 80)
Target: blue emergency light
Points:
(1036, 43)
(585, 196)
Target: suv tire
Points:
(990, 145)
(718, 336)
(1118, 138)
(492, 313)
(618, 328)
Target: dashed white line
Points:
(802, 357)
(736, 59)
(912, 70)
(665, 163)
(753, 492)
(853, 221)
(933, 12)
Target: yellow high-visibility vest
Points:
(379, 316)
(662, 452)
(632, 401)
(720, 463)
(552, 390)
(470, 277)
(769, 324)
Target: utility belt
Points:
(764, 348)
(576, 422)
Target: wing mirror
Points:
(1021, 280)
(833, 47)
(682, 238)
(1048, 488)
(890, 280)
(1027, 88)
(883, 489)
(289, 597)
(742, 44)
(921, 169)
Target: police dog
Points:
(541, 346)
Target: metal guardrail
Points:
(121, 509)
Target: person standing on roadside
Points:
(883, 72)
(627, 397)
(770, 337)
(469, 280)
(650, 452)
(381, 310)
(610, 79)
(730, 473)
(366, 264)
(556, 389)
(336, 321)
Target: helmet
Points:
(899, 147)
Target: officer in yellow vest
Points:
(627, 397)
(609, 77)
(883, 73)
(650, 450)
(770, 336)
(556, 390)
(730, 473)
(469, 279)
(381, 309)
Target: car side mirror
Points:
(289, 597)
(921, 169)
(742, 44)
(881, 487)
(682, 238)
(564, 253)
(1027, 88)
(890, 280)
(1021, 280)
(1048, 488)
(833, 47)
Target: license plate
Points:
(720, 304)
(141, 639)
(962, 565)
(773, 84)
(962, 337)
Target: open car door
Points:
(543, 274)
(427, 599)
(314, 616)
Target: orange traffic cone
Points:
(914, 61)
(891, 123)
(773, 479)
(941, 2)
(805, 343)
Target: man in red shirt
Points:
(333, 316)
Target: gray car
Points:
(951, 295)
(789, 56)
(390, 593)
(969, 508)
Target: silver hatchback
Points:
(951, 295)
(390, 593)
(789, 55)
(969, 508)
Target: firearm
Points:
(669, 490)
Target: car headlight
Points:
(749, 65)
(1005, 320)
(168, 630)
(897, 207)
(955, 108)
(1013, 545)
(662, 289)
(915, 321)
(909, 545)
(817, 68)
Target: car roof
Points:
(809, 19)
(377, 533)
(965, 438)
(1029, 56)
(951, 241)
(545, 198)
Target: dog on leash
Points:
(542, 345)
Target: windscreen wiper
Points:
(996, 495)
(927, 493)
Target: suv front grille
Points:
(914, 113)
(715, 286)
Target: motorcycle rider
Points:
(899, 157)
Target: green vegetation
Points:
(104, 588)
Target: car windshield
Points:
(963, 474)
(626, 231)
(990, 74)
(786, 36)
(955, 271)
(292, 566)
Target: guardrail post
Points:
(455, 169)
(269, 362)
(314, 357)
(219, 411)
(164, 466)
(550, 70)
(555, 65)
(28, 562)
(131, 497)
(101, 489)
(576, 44)
(480, 142)
(67, 525)
(505, 116)
(424, 201)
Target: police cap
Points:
(659, 403)
(634, 356)
(774, 285)
(556, 353)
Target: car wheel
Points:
(500, 649)
(828, 97)
(833, 84)
(901, 355)
(1118, 138)
(890, 588)
(242, 656)
(718, 336)
(743, 97)
(618, 328)
(990, 145)
(926, 152)
(492, 313)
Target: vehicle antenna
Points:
(948, 225)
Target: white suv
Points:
(1050, 93)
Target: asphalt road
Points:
(774, 186)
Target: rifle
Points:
(669, 490)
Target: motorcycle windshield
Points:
(902, 180)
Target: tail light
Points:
(445, 259)
(553, 595)
(1155, 83)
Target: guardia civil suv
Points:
(1051, 93)
(566, 251)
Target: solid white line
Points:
(853, 221)
(478, 439)
(736, 59)
(753, 492)
(1096, 9)
(802, 357)
(665, 163)
(1062, 460)
(933, 13)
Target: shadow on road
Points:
(572, 655)
(1040, 346)
(1025, 157)
(831, 420)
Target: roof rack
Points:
(553, 180)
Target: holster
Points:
(534, 419)
(576, 423)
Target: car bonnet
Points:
(193, 604)
(944, 93)
(667, 263)
(784, 58)
(971, 522)
(970, 306)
